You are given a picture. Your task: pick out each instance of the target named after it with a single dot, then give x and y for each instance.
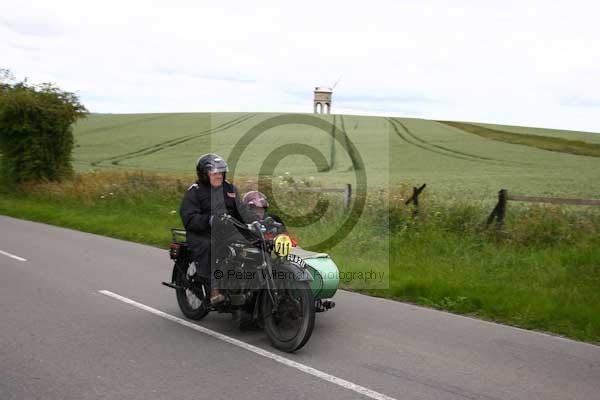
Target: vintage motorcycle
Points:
(272, 284)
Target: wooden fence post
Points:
(415, 198)
(499, 210)
(502, 198)
(347, 195)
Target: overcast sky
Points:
(534, 63)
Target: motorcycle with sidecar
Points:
(272, 284)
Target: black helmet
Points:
(210, 163)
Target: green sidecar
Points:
(325, 276)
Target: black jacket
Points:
(199, 203)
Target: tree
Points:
(36, 137)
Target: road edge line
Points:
(12, 256)
(254, 349)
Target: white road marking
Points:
(12, 256)
(257, 350)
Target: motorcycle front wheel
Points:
(192, 300)
(290, 325)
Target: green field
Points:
(451, 161)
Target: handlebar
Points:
(255, 227)
(232, 220)
(271, 221)
(248, 227)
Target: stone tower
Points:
(322, 99)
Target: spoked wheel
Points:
(193, 301)
(290, 325)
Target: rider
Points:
(203, 204)
(256, 204)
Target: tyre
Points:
(291, 325)
(193, 300)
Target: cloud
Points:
(204, 76)
(379, 99)
(515, 63)
(580, 102)
(32, 28)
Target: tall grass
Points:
(542, 271)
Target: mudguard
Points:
(174, 273)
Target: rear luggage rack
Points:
(179, 235)
(178, 245)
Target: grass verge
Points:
(542, 272)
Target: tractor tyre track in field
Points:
(177, 141)
(415, 141)
(419, 145)
(332, 147)
(122, 125)
(115, 160)
(411, 134)
(351, 153)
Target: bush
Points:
(36, 139)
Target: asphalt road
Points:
(61, 338)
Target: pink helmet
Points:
(256, 199)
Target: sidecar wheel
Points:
(290, 327)
(192, 302)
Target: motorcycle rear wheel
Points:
(192, 301)
(290, 327)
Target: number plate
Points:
(298, 260)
